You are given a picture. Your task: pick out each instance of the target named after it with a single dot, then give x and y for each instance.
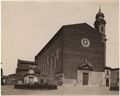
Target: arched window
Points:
(57, 53)
(102, 28)
(47, 65)
(55, 61)
(44, 67)
(107, 72)
(41, 68)
(51, 63)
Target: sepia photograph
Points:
(58, 47)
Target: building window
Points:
(102, 28)
(107, 72)
(51, 63)
(41, 68)
(45, 67)
(57, 53)
(52, 58)
(107, 82)
(55, 63)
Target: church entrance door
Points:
(107, 82)
(85, 78)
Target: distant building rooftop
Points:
(111, 68)
(26, 62)
(115, 68)
(106, 67)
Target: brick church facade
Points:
(76, 54)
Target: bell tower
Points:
(100, 23)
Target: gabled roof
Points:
(50, 42)
(77, 26)
(86, 66)
(84, 27)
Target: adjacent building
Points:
(11, 79)
(30, 78)
(108, 76)
(115, 77)
(23, 68)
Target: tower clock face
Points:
(85, 42)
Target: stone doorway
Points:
(85, 78)
(107, 82)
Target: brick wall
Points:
(74, 53)
(71, 52)
(50, 61)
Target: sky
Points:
(27, 26)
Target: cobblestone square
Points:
(62, 90)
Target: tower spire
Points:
(99, 8)
(100, 23)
